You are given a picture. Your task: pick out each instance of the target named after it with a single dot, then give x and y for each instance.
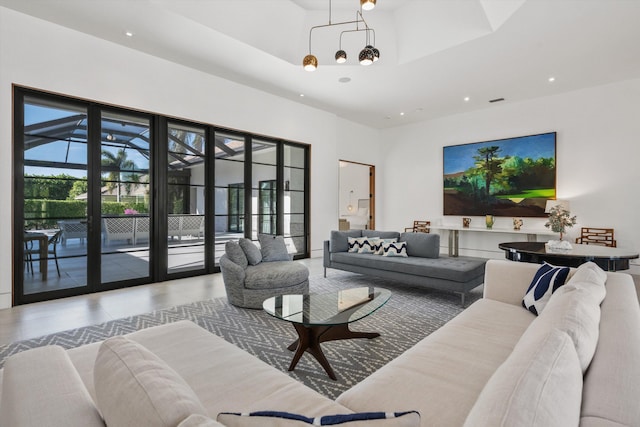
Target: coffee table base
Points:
(310, 337)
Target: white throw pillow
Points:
(540, 384)
(286, 419)
(134, 387)
(369, 245)
(395, 249)
(380, 245)
(547, 279)
(355, 243)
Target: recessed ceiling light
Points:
(128, 34)
(552, 79)
(402, 113)
(302, 95)
(466, 99)
(344, 79)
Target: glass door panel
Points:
(229, 190)
(55, 196)
(125, 196)
(294, 209)
(264, 172)
(186, 198)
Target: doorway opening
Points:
(356, 196)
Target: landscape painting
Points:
(511, 177)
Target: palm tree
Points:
(115, 164)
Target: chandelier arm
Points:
(333, 25)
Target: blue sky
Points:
(458, 158)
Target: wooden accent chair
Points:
(419, 227)
(596, 236)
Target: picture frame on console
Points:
(511, 177)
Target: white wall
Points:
(598, 158)
(41, 55)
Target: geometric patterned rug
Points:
(410, 315)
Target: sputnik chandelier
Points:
(368, 55)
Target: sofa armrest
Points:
(508, 281)
(41, 387)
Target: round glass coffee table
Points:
(325, 317)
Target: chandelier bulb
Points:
(310, 63)
(341, 56)
(376, 54)
(366, 56)
(367, 4)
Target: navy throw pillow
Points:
(547, 279)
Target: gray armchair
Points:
(252, 275)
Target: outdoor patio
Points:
(121, 260)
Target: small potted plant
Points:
(560, 219)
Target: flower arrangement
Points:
(560, 219)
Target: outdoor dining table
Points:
(43, 245)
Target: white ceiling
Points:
(433, 53)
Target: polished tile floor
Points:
(34, 320)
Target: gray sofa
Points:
(424, 265)
(252, 275)
(484, 368)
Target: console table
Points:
(454, 234)
(608, 258)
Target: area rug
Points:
(410, 315)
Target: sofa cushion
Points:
(394, 249)
(540, 384)
(134, 387)
(589, 277)
(547, 279)
(235, 253)
(277, 274)
(381, 234)
(41, 387)
(252, 252)
(457, 269)
(425, 245)
(612, 382)
(575, 312)
(286, 419)
(197, 420)
(273, 248)
(339, 240)
(589, 272)
(443, 374)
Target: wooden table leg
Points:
(310, 337)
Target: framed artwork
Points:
(511, 177)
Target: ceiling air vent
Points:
(496, 100)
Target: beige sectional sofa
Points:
(577, 363)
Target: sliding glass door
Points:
(107, 197)
(51, 172)
(229, 189)
(185, 207)
(125, 193)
